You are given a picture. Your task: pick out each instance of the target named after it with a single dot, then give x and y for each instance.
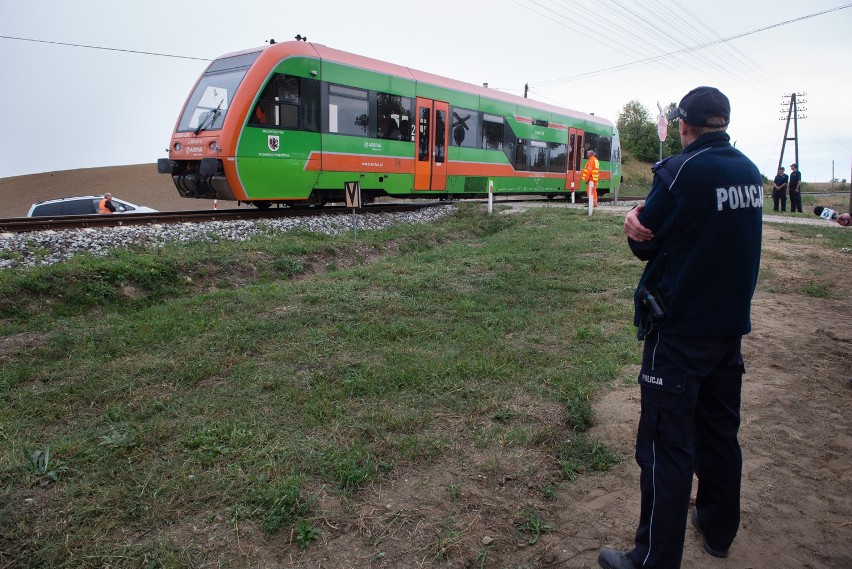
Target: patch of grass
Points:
(448, 540)
(815, 290)
(832, 235)
(578, 455)
(205, 378)
(533, 526)
(305, 532)
(41, 464)
(282, 504)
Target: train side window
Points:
(348, 110)
(557, 161)
(520, 159)
(288, 102)
(576, 157)
(592, 144)
(515, 149)
(464, 128)
(423, 150)
(492, 132)
(538, 156)
(394, 116)
(605, 148)
(440, 135)
(572, 144)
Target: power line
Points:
(662, 56)
(105, 48)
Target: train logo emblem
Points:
(273, 142)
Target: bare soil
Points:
(466, 509)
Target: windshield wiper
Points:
(212, 113)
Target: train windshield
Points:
(208, 104)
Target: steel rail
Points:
(67, 222)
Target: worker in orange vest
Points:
(590, 176)
(106, 205)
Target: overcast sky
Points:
(65, 107)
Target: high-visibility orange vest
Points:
(590, 172)
(102, 208)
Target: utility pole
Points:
(791, 103)
(526, 89)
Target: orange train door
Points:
(430, 145)
(575, 156)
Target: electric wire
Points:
(105, 48)
(690, 49)
(718, 57)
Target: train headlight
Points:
(214, 146)
(177, 146)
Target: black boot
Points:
(612, 559)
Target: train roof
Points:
(279, 51)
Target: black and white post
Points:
(353, 200)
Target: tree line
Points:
(637, 130)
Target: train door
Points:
(430, 144)
(575, 157)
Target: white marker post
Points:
(353, 200)
(590, 185)
(662, 128)
(490, 196)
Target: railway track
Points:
(28, 224)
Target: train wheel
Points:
(262, 204)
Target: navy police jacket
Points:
(705, 208)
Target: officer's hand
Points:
(634, 229)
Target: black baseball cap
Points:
(700, 104)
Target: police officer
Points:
(795, 189)
(700, 232)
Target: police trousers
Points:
(779, 195)
(689, 423)
(795, 200)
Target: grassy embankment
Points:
(150, 386)
(241, 378)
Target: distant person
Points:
(106, 205)
(259, 115)
(845, 219)
(699, 231)
(590, 176)
(405, 130)
(779, 190)
(795, 189)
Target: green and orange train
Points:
(292, 123)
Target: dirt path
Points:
(797, 423)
